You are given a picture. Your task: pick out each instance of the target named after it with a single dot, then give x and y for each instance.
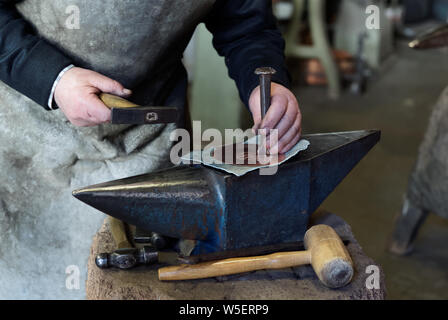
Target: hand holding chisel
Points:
(275, 107)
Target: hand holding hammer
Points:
(325, 251)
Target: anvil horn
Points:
(225, 212)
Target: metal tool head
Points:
(127, 112)
(102, 260)
(145, 115)
(224, 212)
(265, 71)
(265, 74)
(127, 258)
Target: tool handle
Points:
(119, 234)
(112, 101)
(235, 265)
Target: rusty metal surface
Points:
(225, 212)
(245, 154)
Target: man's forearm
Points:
(28, 63)
(246, 34)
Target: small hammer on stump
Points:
(325, 251)
(126, 256)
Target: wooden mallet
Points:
(325, 251)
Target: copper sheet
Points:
(244, 155)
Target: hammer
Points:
(325, 251)
(127, 256)
(126, 112)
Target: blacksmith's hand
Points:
(76, 95)
(284, 114)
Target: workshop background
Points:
(348, 77)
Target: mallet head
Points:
(329, 257)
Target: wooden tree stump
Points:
(428, 183)
(292, 283)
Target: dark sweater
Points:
(244, 32)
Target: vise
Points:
(224, 212)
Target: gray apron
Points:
(44, 231)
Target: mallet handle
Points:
(118, 230)
(235, 265)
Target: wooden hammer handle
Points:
(112, 101)
(119, 233)
(235, 265)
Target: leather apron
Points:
(44, 231)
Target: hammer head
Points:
(127, 258)
(329, 257)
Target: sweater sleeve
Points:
(28, 63)
(245, 32)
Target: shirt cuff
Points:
(51, 104)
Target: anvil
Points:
(224, 212)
